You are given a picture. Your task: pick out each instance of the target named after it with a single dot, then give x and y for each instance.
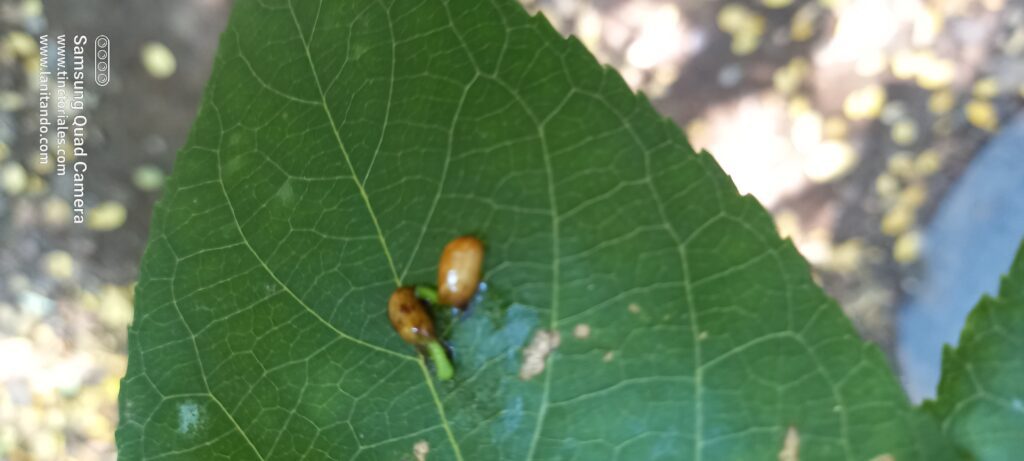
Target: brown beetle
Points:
(412, 322)
(409, 318)
(458, 273)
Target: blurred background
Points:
(885, 136)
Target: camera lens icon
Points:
(102, 64)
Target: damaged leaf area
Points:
(420, 450)
(341, 144)
(791, 446)
(535, 356)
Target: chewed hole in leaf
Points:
(188, 417)
(581, 331)
(535, 355)
(790, 446)
(420, 450)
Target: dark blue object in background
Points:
(969, 244)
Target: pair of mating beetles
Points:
(458, 275)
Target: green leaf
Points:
(981, 394)
(341, 144)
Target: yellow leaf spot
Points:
(898, 220)
(59, 265)
(745, 26)
(802, 27)
(110, 388)
(986, 88)
(829, 160)
(733, 17)
(22, 44)
(927, 163)
(929, 71)
(871, 64)
(588, 28)
(148, 178)
(886, 185)
(907, 247)
(776, 4)
(892, 111)
(14, 179)
(905, 64)
(798, 106)
(847, 256)
(116, 306)
(32, 8)
(788, 78)
(835, 127)
(982, 114)
(697, 129)
(941, 102)
(787, 223)
(901, 164)
(927, 26)
(816, 250)
(36, 185)
(106, 216)
(914, 195)
(1014, 44)
(737, 18)
(744, 44)
(865, 103)
(158, 60)
(11, 101)
(936, 73)
(56, 212)
(904, 132)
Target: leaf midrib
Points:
(381, 239)
(383, 243)
(373, 216)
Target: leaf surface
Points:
(981, 394)
(341, 144)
